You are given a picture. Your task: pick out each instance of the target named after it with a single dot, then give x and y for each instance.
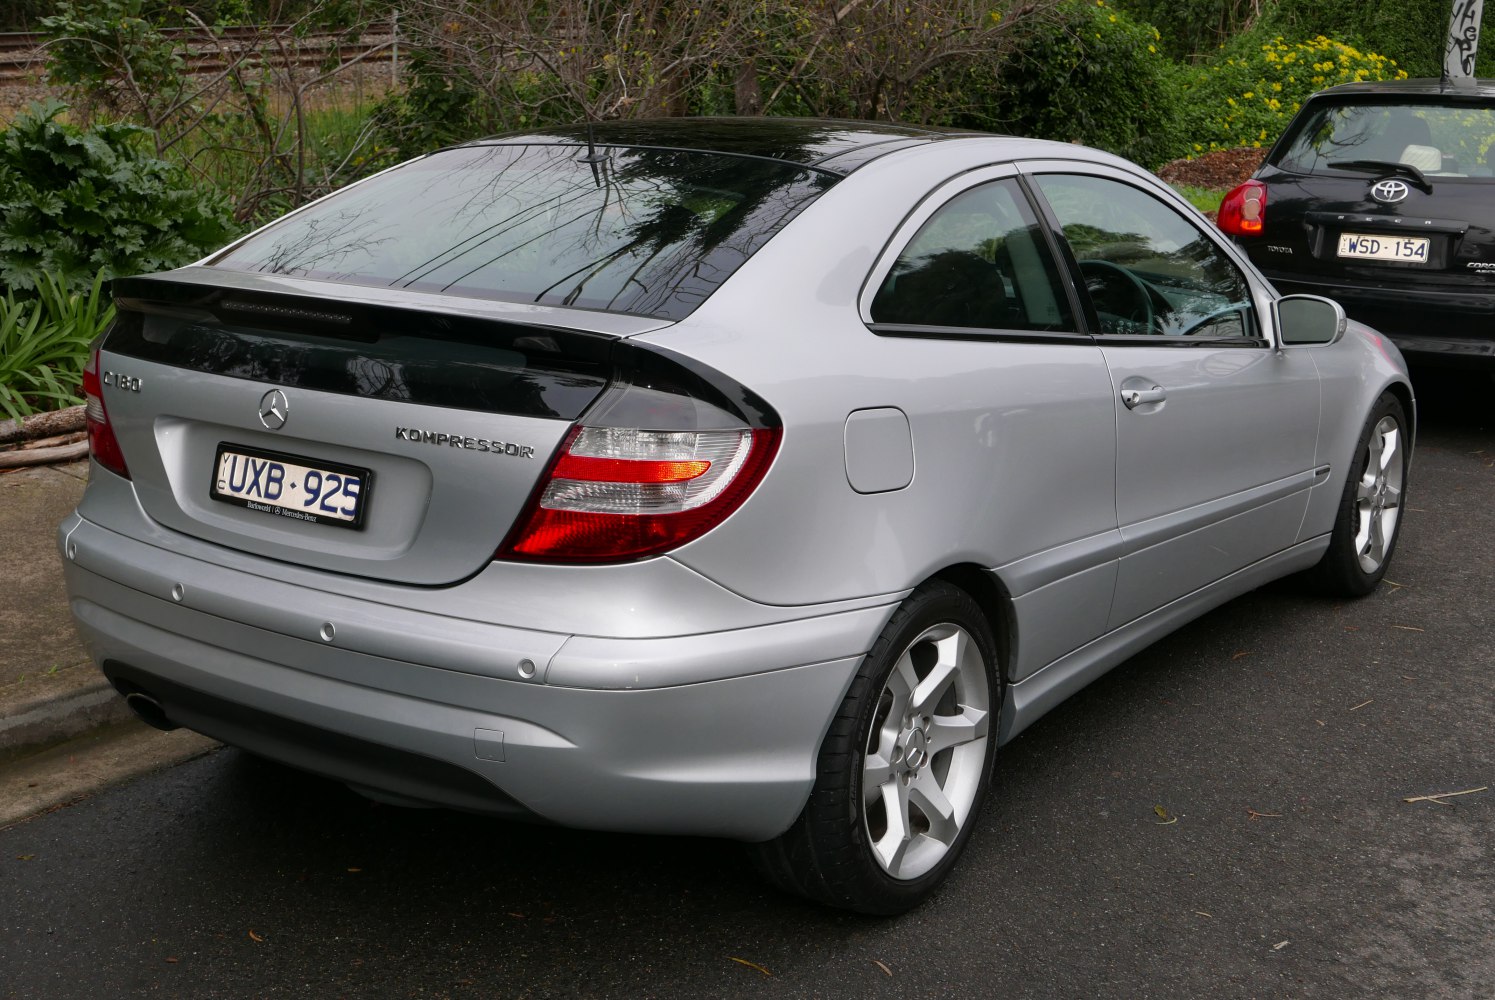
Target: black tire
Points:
(1356, 561)
(829, 853)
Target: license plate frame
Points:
(1415, 250)
(221, 486)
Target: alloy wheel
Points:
(1378, 495)
(926, 747)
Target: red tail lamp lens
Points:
(617, 494)
(102, 444)
(1243, 210)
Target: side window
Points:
(1148, 270)
(980, 262)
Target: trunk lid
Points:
(439, 412)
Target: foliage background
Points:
(1409, 31)
(152, 164)
(76, 203)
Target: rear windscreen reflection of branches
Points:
(324, 244)
(627, 229)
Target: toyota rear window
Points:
(1438, 140)
(645, 231)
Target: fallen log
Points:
(48, 442)
(40, 425)
(43, 456)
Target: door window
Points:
(980, 262)
(1148, 270)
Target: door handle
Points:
(1134, 398)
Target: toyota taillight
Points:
(618, 493)
(1243, 209)
(102, 444)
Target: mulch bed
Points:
(1224, 168)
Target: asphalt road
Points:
(1283, 734)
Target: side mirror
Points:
(1308, 319)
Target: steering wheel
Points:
(1236, 309)
(1111, 298)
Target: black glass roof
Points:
(828, 144)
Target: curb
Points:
(105, 757)
(42, 712)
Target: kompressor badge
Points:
(461, 441)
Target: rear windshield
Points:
(1448, 140)
(644, 231)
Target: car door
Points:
(1017, 422)
(1215, 427)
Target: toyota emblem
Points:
(1389, 192)
(274, 408)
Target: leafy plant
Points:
(1411, 31)
(1089, 74)
(116, 51)
(1248, 93)
(44, 344)
(243, 124)
(78, 202)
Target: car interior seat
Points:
(1406, 139)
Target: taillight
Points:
(102, 444)
(1243, 209)
(614, 494)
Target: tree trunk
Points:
(747, 94)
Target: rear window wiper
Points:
(1385, 167)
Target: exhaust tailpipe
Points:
(149, 710)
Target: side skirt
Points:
(1029, 699)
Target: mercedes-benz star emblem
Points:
(1389, 192)
(274, 408)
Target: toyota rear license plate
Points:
(1409, 249)
(302, 489)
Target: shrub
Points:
(79, 202)
(251, 130)
(1247, 94)
(442, 104)
(1090, 74)
(1193, 25)
(1411, 31)
(44, 344)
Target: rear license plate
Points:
(1409, 249)
(302, 489)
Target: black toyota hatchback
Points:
(1382, 197)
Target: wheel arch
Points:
(1403, 393)
(992, 596)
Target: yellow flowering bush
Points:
(1247, 94)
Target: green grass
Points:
(1204, 199)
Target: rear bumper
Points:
(1440, 327)
(713, 734)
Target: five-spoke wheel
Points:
(926, 749)
(905, 765)
(1370, 508)
(1378, 494)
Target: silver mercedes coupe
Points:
(741, 478)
